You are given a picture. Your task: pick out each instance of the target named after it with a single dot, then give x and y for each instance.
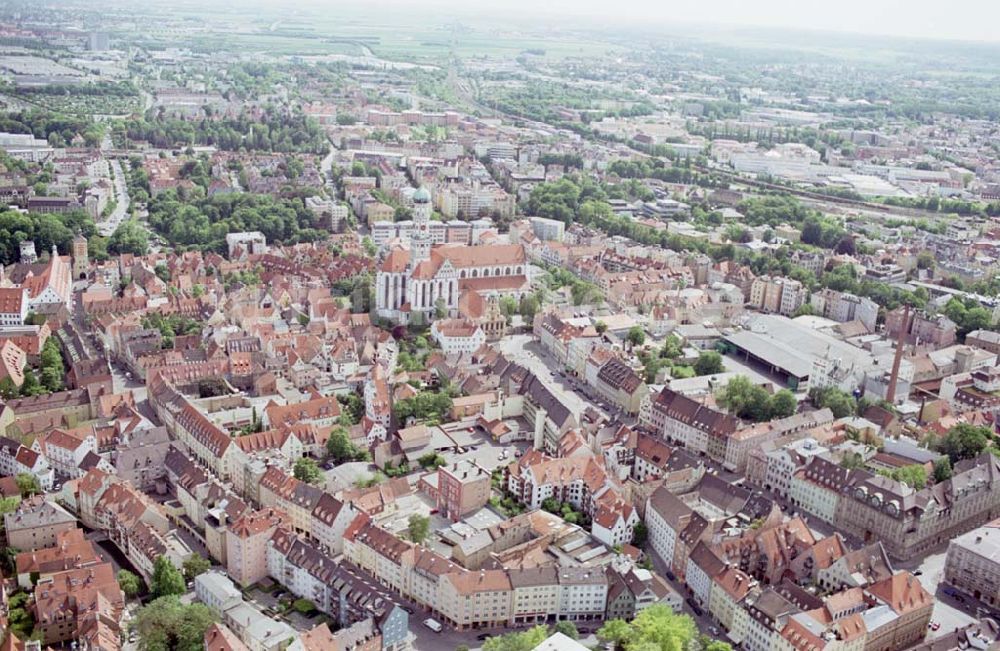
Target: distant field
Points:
(404, 35)
(275, 44)
(78, 104)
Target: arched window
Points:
(506, 271)
(486, 272)
(475, 273)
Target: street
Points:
(948, 611)
(121, 211)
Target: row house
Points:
(207, 506)
(477, 598)
(321, 411)
(139, 528)
(859, 568)
(677, 418)
(632, 591)
(247, 543)
(81, 605)
(585, 485)
(16, 459)
(739, 446)
(211, 445)
(296, 498)
(337, 588)
(558, 335)
(36, 523)
(72, 551)
(783, 462)
(666, 515)
(910, 522)
(817, 487)
(68, 455)
(619, 384)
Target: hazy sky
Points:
(949, 19)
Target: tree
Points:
(914, 475)
(840, 403)
(28, 484)
(709, 363)
(665, 629)
(942, 469)
(672, 348)
(306, 470)
(8, 390)
(601, 327)
(166, 624)
(568, 629)
(783, 404)
(432, 460)
(19, 615)
(340, 448)
(846, 246)
(925, 260)
(745, 399)
(129, 237)
(964, 441)
(52, 379)
(130, 584)
(717, 645)
(636, 336)
(426, 405)
(618, 632)
(53, 369)
(522, 641)
(804, 310)
(639, 534)
(31, 386)
(528, 307)
(418, 527)
(195, 565)
(852, 461)
(440, 309)
(167, 580)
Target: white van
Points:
(433, 625)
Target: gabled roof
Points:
(690, 412)
(902, 592)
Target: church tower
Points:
(81, 263)
(420, 238)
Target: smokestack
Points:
(890, 394)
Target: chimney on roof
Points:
(890, 394)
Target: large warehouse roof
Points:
(792, 346)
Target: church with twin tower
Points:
(417, 281)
